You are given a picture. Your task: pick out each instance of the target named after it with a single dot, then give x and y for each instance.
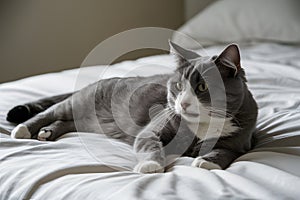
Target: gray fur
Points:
(149, 121)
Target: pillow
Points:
(227, 21)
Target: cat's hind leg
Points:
(21, 113)
(55, 130)
(30, 128)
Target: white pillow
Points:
(240, 21)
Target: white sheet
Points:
(90, 166)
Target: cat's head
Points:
(206, 86)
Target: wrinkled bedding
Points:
(91, 166)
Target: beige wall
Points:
(38, 36)
(192, 7)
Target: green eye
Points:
(179, 86)
(202, 87)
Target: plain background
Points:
(40, 36)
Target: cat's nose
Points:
(185, 106)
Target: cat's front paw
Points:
(204, 164)
(147, 167)
(20, 132)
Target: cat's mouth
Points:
(190, 114)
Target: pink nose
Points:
(185, 105)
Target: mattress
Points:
(91, 166)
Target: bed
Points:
(90, 166)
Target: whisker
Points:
(225, 114)
(160, 121)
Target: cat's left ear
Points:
(182, 53)
(230, 60)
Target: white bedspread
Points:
(90, 166)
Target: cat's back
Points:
(133, 88)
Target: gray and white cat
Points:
(203, 110)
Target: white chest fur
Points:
(214, 128)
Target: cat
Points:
(203, 110)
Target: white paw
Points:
(44, 134)
(201, 163)
(148, 167)
(20, 132)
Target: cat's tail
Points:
(22, 113)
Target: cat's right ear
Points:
(230, 60)
(183, 55)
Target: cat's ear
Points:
(229, 60)
(182, 54)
